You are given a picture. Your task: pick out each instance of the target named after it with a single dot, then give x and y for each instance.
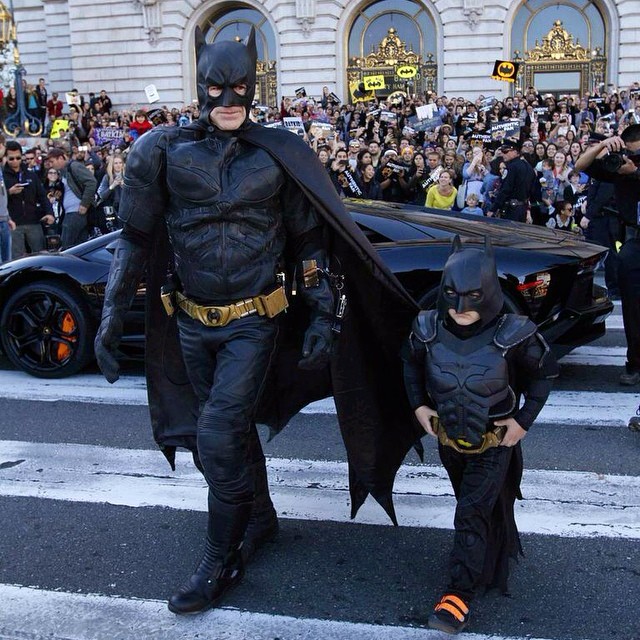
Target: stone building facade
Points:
(123, 45)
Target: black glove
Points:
(126, 271)
(105, 347)
(316, 348)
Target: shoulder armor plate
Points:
(513, 329)
(425, 326)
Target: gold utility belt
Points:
(270, 305)
(490, 439)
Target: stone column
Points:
(59, 73)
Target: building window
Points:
(535, 18)
(411, 21)
(236, 25)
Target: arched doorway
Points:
(560, 47)
(234, 23)
(395, 39)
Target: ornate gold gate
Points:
(267, 83)
(390, 56)
(556, 54)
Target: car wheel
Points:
(430, 299)
(46, 330)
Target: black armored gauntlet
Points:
(127, 268)
(315, 288)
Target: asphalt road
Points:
(567, 587)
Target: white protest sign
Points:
(294, 125)
(152, 93)
(425, 111)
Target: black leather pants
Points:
(516, 212)
(485, 533)
(227, 367)
(605, 230)
(629, 282)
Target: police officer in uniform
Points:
(513, 197)
(466, 367)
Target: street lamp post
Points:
(21, 122)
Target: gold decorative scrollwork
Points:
(390, 52)
(557, 53)
(557, 45)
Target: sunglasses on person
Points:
(12, 158)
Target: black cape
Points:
(365, 374)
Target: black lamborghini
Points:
(50, 302)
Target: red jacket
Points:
(54, 108)
(140, 127)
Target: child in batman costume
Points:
(466, 368)
(228, 205)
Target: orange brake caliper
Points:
(68, 327)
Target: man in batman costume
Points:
(466, 368)
(234, 210)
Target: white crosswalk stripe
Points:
(563, 407)
(594, 504)
(50, 615)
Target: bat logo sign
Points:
(372, 83)
(505, 70)
(407, 71)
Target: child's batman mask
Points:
(470, 283)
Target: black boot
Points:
(221, 567)
(263, 524)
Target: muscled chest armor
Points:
(224, 217)
(469, 382)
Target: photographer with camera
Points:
(109, 194)
(391, 176)
(617, 160)
(601, 226)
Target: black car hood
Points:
(504, 233)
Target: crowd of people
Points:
(448, 153)
(381, 150)
(58, 197)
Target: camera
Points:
(615, 159)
